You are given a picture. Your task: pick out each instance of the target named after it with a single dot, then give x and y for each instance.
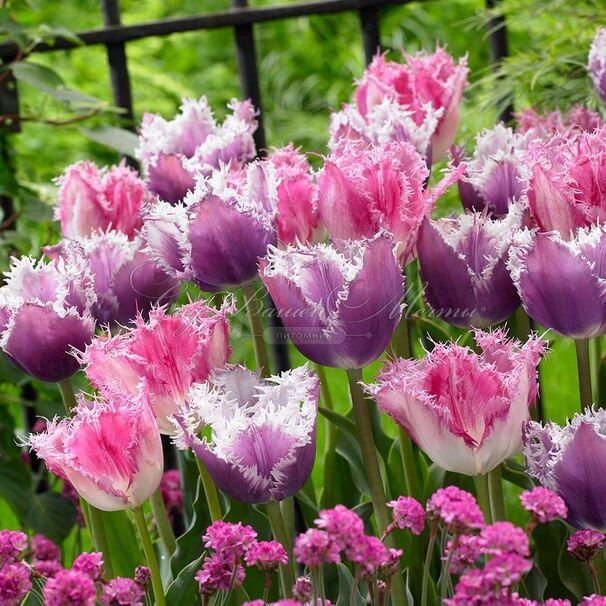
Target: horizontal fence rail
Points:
(229, 18)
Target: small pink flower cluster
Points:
(78, 586)
(456, 509)
(170, 487)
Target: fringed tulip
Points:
(561, 283)
(110, 450)
(297, 219)
(263, 438)
(127, 282)
(174, 151)
(465, 410)
(93, 199)
(463, 263)
(565, 460)
(362, 191)
(597, 63)
(427, 85)
(339, 303)
(495, 173)
(219, 231)
(164, 355)
(45, 312)
(567, 181)
(575, 121)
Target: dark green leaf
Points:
(183, 591)
(38, 76)
(51, 515)
(123, 543)
(346, 582)
(123, 141)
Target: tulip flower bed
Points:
(403, 459)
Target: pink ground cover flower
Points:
(93, 199)
(466, 410)
(110, 450)
(90, 564)
(174, 151)
(364, 190)
(502, 538)
(368, 553)
(233, 539)
(343, 525)
(45, 549)
(47, 568)
(407, 513)
(455, 508)
(543, 504)
(266, 555)
(302, 590)
(219, 573)
(15, 583)
(593, 600)
(13, 543)
(465, 551)
(584, 545)
(315, 548)
(164, 355)
(428, 87)
(298, 218)
(171, 490)
(70, 588)
(567, 181)
(122, 592)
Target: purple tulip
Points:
(495, 173)
(44, 314)
(174, 151)
(463, 265)
(596, 63)
(561, 283)
(127, 282)
(565, 460)
(219, 231)
(339, 303)
(263, 440)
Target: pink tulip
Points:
(93, 199)
(297, 219)
(163, 356)
(364, 190)
(567, 182)
(575, 121)
(465, 410)
(110, 450)
(427, 85)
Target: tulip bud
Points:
(110, 450)
(263, 439)
(464, 410)
(45, 312)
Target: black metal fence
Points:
(242, 18)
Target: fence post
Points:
(499, 48)
(118, 67)
(249, 83)
(369, 21)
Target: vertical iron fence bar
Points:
(369, 21)
(249, 83)
(499, 48)
(118, 66)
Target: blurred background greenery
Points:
(307, 69)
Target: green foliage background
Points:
(307, 68)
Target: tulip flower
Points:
(93, 199)
(465, 410)
(576, 120)
(428, 85)
(463, 263)
(218, 232)
(110, 450)
(297, 219)
(45, 312)
(361, 191)
(495, 174)
(339, 303)
(566, 181)
(126, 280)
(565, 460)
(163, 356)
(596, 65)
(560, 282)
(174, 151)
(263, 438)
